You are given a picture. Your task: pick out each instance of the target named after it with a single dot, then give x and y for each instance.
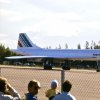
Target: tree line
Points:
(4, 52)
(92, 45)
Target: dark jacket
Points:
(29, 96)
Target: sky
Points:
(50, 22)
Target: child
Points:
(50, 93)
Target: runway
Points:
(86, 84)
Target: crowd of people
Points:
(7, 92)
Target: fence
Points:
(86, 84)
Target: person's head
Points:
(66, 86)
(33, 87)
(54, 84)
(3, 84)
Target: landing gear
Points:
(98, 69)
(47, 65)
(66, 65)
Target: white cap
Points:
(54, 83)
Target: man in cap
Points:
(33, 87)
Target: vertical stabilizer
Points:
(24, 41)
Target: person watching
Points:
(33, 87)
(65, 94)
(7, 92)
(50, 93)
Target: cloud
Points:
(50, 18)
(55, 24)
(11, 15)
(5, 40)
(2, 35)
(16, 15)
(12, 43)
(5, 1)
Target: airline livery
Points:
(28, 49)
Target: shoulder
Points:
(8, 97)
(48, 91)
(30, 97)
(58, 92)
(64, 96)
(71, 96)
(35, 98)
(57, 96)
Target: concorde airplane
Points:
(28, 49)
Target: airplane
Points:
(27, 49)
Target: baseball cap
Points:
(54, 83)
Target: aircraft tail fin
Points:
(24, 41)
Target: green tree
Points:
(4, 52)
(59, 46)
(66, 46)
(92, 44)
(78, 46)
(87, 45)
(97, 46)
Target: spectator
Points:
(33, 87)
(7, 92)
(65, 95)
(50, 93)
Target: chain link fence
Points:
(86, 84)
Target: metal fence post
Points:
(0, 71)
(98, 65)
(62, 78)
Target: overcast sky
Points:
(50, 22)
